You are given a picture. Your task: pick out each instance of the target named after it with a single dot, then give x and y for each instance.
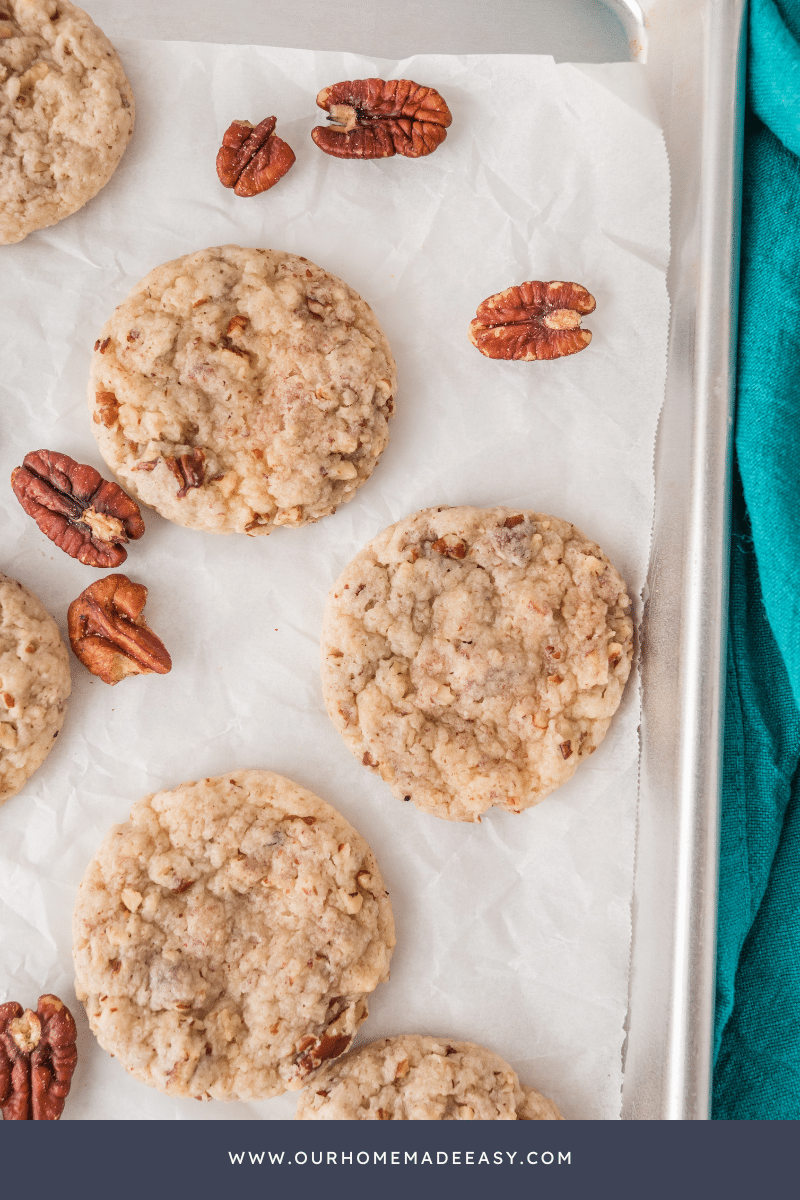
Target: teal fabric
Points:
(757, 1035)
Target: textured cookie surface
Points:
(66, 113)
(414, 1078)
(227, 937)
(34, 685)
(473, 657)
(236, 390)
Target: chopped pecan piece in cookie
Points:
(37, 1059)
(533, 321)
(109, 635)
(376, 118)
(85, 515)
(251, 158)
(107, 409)
(188, 468)
(455, 549)
(313, 1052)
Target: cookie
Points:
(34, 685)
(66, 113)
(236, 390)
(474, 657)
(226, 938)
(414, 1078)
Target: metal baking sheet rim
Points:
(695, 56)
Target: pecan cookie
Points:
(227, 938)
(236, 390)
(414, 1078)
(66, 113)
(473, 657)
(34, 685)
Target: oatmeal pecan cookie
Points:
(34, 685)
(227, 938)
(414, 1078)
(236, 390)
(66, 113)
(474, 657)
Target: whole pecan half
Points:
(73, 505)
(376, 118)
(109, 635)
(37, 1059)
(251, 158)
(533, 320)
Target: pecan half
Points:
(85, 515)
(533, 320)
(376, 118)
(109, 635)
(251, 158)
(37, 1059)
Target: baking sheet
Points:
(696, 58)
(515, 933)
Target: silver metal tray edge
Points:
(695, 53)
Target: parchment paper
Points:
(516, 932)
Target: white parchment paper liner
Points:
(514, 933)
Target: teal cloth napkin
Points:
(757, 1033)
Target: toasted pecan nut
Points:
(320, 1050)
(85, 515)
(109, 635)
(376, 118)
(455, 550)
(188, 468)
(37, 1059)
(312, 1052)
(533, 320)
(251, 158)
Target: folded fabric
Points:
(757, 1034)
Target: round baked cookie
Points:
(236, 390)
(473, 657)
(34, 685)
(227, 937)
(66, 113)
(414, 1078)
